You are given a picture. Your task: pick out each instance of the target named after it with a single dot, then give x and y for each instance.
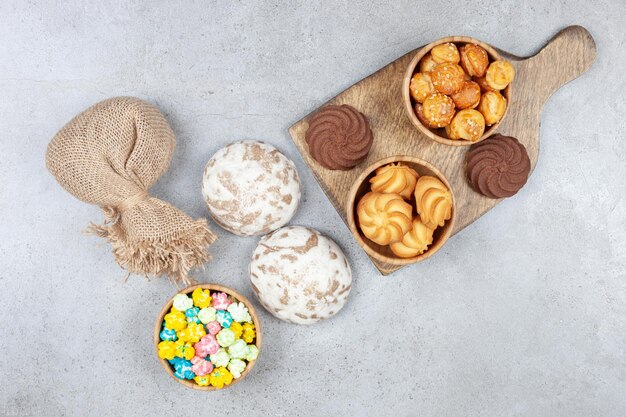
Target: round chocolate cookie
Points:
(498, 166)
(339, 137)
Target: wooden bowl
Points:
(439, 135)
(361, 186)
(212, 287)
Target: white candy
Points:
(252, 353)
(239, 312)
(238, 350)
(299, 275)
(236, 367)
(182, 302)
(250, 188)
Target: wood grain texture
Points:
(379, 97)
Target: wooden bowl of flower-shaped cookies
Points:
(231, 296)
(457, 112)
(418, 191)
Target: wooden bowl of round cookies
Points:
(386, 194)
(457, 90)
(253, 339)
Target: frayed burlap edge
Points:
(174, 256)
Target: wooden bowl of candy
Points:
(401, 210)
(207, 337)
(457, 90)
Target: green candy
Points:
(238, 350)
(225, 337)
(207, 315)
(220, 358)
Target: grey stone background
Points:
(522, 314)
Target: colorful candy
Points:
(239, 312)
(201, 298)
(225, 337)
(175, 360)
(224, 318)
(201, 366)
(207, 315)
(167, 350)
(182, 370)
(192, 315)
(181, 302)
(238, 349)
(183, 349)
(208, 338)
(168, 334)
(220, 358)
(213, 327)
(236, 367)
(220, 301)
(220, 377)
(206, 346)
(253, 353)
(175, 320)
(203, 380)
(196, 332)
(193, 333)
(248, 332)
(237, 329)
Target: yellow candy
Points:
(195, 331)
(220, 377)
(183, 335)
(167, 350)
(184, 350)
(237, 329)
(175, 320)
(203, 380)
(248, 332)
(201, 298)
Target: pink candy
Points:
(201, 366)
(220, 301)
(213, 328)
(206, 346)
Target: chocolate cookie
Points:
(339, 137)
(498, 166)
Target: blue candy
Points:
(192, 314)
(168, 334)
(175, 360)
(224, 318)
(183, 370)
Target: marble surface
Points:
(521, 314)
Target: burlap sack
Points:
(110, 155)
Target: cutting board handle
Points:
(565, 57)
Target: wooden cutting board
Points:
(566, 56)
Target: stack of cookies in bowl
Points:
(401, 210)
(457, 90)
